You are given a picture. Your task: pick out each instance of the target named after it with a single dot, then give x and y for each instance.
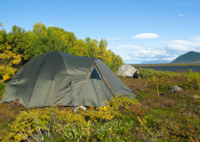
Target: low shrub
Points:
(52, 122)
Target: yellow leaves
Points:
(7, 72)
(6, 77)
(17, 59)
(8, 55)
(9, 58)
(104, 108)
(28, 123)
(193, 77)
(64, 38)
(111, 110)
(143, 124)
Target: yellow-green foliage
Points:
(143, 124)
(6, 68)
(28, 123)
(112, 110)
(34, 122)
(44, 39)
(149, 73)
(153, 75)
(71, 126)
(193, 77)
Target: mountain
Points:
(155, 62)
(189, 57)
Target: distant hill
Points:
(155, 62)
(189, 57)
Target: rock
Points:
(128, 71)
(175, 88)
(81, 108)
(196, 97)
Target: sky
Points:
(136, 30)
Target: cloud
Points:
(114, 39)
(146, 36)
(181, 15)
(169, 59)
(129, 46)
(185, 43)
(197, 38)
(148, 53)
(51, 25)
(173, 49)
(139, 55)
(178, 47)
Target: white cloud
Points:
(185, 43)
(149, 53)
(197, 38)
(178, 47)
(129, 46)
(146, 36)
(169, 59)
(51, 25)
(114, 39)
(181, 15)
(174, 49)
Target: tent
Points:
(61, 79)
(128, 71)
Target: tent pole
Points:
(86, 78)
(83, 85)
(105, 80)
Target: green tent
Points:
(61, 79)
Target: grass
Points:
(170, 117)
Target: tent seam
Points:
(36, 78)
(67, 73)
(65, 65)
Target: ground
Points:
(169, 117)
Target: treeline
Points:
(41, 39)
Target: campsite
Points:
(149, 117)
(40, 88)
(100, 71)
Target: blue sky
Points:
(137, 30)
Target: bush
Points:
(149, 73)
(52, 122)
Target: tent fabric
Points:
(61, 79)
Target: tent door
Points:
(103, 93)
(96, 81)
(94, 92)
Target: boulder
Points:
(175, 88)
(196, 96)
(128, 71)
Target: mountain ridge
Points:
(189, 57)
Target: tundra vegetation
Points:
(149, 117)
(169, 117)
